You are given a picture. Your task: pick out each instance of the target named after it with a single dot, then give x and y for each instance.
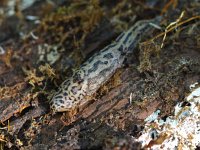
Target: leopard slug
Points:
(95, 71)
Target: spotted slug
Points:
(95, 71)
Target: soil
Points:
(38, 53)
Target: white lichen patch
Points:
(9, 8)
(180, 131)
(49, 53)
(192, 86)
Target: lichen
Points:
(182, 130)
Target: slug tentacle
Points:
(95, 71)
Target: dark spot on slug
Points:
(108, 56)
(84, 92)
(65, 94)
(81, 95)
(66, 83)
(108, 47)
(121, 48)
(77, 78)
(84, 64)
(72, 97)
(74, 90)
(124, 52)
(102, 73)
(95, 66)
(127, 37)
(57, 104)
(58, 97)
(89, 60)
(61, 101)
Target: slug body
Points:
(86, 80)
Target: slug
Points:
(95, 71)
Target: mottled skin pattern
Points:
(86, 80)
